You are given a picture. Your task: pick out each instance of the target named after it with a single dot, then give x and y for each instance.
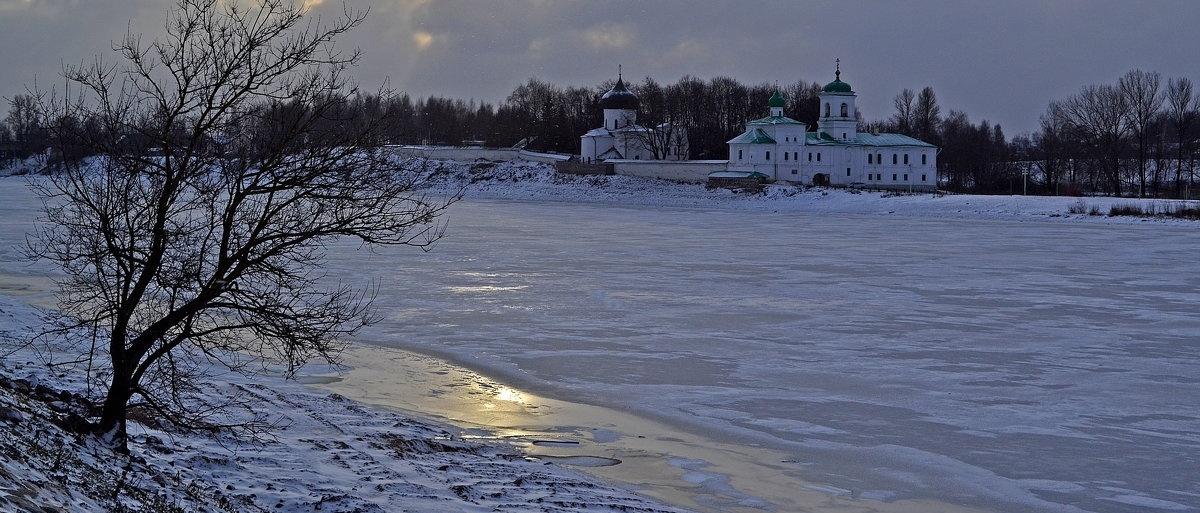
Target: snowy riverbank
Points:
(988, 356)
(530, 181)
(325, 453)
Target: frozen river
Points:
(1019, 365)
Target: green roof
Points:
(837, 86)
(862, 139)
(776, 100)
(775, 120)
(753, 136)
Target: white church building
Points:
(621, 138)
(836, 153)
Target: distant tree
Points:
(1052, 146)
(1182, 107)
(803, 102)
(1099, 115)
(6, 142)
(665, 121)
(1144, 99)
(26, 122)
(903, 119)
(203, 244)
(926, 116)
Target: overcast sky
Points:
(1000, 60)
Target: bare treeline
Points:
(1133, 137)
(1136, 136)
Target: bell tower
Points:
(839, 116)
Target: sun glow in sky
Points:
(989, 59)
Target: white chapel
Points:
(836, 153)
(621, 138)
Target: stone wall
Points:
(695, 171)
(468, 153)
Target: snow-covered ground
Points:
(529, 181)
(324, 453)
(974, 349)
(981, 350)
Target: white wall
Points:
(548, 158)
(878, 174)
(619, 118)
(678, 170)
(468, 153)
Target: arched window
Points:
(826, 110)
(923, 161)
(845, 110)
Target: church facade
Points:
(621, 138)
(835, 153)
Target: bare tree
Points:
(1052, 143)
(1143, 95)
(200, 242)
(1099, 116)
(927, 115)
(903, 118)
(25, 120)
(1182, 108)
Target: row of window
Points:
(873, 176)
(876, 158)
(795, 155)
(879, 176)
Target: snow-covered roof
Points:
(611, 153)
(775, 120)
(864, 139)
(736, 174)
(752, 136)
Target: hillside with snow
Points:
(322, 453)
(531, 181)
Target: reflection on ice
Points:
(983, 362)
(485, 288)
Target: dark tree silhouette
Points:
(225, 161)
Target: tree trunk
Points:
(113, 411)
(1179, 164)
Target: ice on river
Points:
(1019, 365)
(1040, 366)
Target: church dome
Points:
(837, 86)
(776, 100)
(619, 97)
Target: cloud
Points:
(609, 36)
(979, 57)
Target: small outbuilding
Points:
(737, 179)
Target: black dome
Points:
(619, 98)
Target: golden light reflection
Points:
(510, 395)
(502, 394)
